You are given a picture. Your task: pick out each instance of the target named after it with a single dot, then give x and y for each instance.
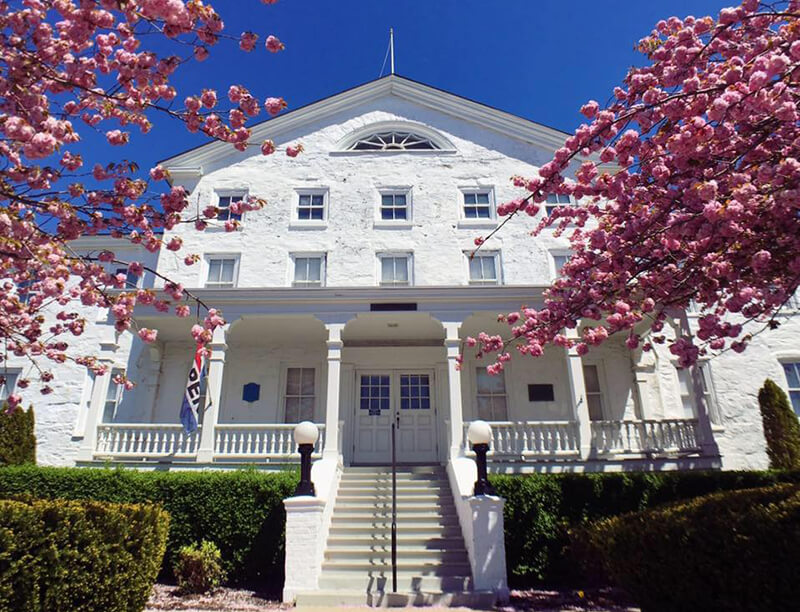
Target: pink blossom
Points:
(274, 45)
(274, 105)
(247, 41)
(148, 335)
(294, 150)
(267, 147)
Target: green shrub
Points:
(17, 440)
(81, 556)
(198, 567)
(781, 427)
(540, 510)
(731, 551)
(242, 510)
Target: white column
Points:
(108, 346)
(216, 368)
(577, 390)
(452, 342)
(334, 343)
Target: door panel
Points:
(406, 398)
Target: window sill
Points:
(308, 225)
(477, 223)
(401, 225)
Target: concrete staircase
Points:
(432, 564)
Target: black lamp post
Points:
(479, 435)
(305, 435)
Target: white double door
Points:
(404, 397)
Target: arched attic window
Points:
(394, 141)
(394, 136)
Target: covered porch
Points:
(354, 374)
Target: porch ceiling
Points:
(283, 330)
(393, 327)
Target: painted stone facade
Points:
(276, 327)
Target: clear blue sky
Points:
(540, 59)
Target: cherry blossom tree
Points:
(68, 67)
(688, 184)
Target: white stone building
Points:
(347, 299)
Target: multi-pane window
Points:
(558, 262)
(594, 393)
(554, 200)
(491, 396)
(394, 207)
(792, 371)
(375, 393)
(300, 394)
(393, 141)
(395, 269)
(309, 271)
(113, 397)
(415, 392)
(8, 381)
(483, 269)
(224, 208)
(222, 272)
(477, 205)
(686, 388)
(131, 280)
(311, 207)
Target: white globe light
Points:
(479, 432)
(306, 433)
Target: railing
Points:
(669, 435)
(257, 441)
(523, 439)
(144, 440)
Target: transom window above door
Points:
(395, 206)
(309, 270)
(484, 269)
(222, 271)
(478, 204)
(395, 270)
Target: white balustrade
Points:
(530, 439)
(669, 435)
(260, 441)
(144, 441)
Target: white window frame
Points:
(548, 207)
(477, 394)
(394, 190)
(12, 375)
(498, 268)
(465, 221)
(554, 269)
(603, 393)
(284, 381)
(235, 195)
(790, 361)
(323, 269)
(209, 257)
(409, 257)
(117, 391)
(128, 284)
(688, 398)
(297, 222)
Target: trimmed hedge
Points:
(781, 427)
(81, 556)
(733, 551)
(17, 439)
(240, 511)
(541, 509)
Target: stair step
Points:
(354, 517)
(407, 566)
(380, 551)
(406, 488)
(380, 581)
(402, 497)
(385, 599)
(410, 508)
(416, 528)
(405, 540)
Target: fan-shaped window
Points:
(394, 141)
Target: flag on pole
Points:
(191, 398)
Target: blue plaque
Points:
(251, 392)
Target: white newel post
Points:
(453, 343)
(488, 543)
(577, 390)
(304, 544)
(334, 343)
(108, 347)
(216, 368)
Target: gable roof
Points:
(513, 126)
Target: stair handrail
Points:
(394, 509)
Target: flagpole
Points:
(391, 47)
